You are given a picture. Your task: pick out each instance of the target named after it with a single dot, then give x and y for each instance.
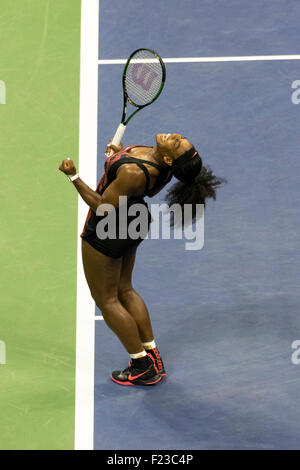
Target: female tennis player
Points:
(135, 172)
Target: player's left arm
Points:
(130, 181)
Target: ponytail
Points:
(193, 190)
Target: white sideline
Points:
(211, 59)
(85, 324)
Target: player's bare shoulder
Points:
(131, 176)
(142, 153)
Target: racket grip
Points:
(117, 137)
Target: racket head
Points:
(144, 76)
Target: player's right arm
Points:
(113, 148)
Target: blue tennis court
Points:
(225, 316)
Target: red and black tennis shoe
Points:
(158, 360)
(138, 373)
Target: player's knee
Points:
(104, 302)
(125, 291)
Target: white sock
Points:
(150, 345)
(138, 355)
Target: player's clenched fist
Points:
(67, 166)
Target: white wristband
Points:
(73, 177)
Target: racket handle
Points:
(117, 137)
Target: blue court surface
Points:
(224, 317)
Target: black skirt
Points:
(116, 247)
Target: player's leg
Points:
(131, 300)
(136, 306)
(103, 274)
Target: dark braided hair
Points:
(196, 183)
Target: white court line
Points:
(210, 59)
(99, 317)
(85, 324)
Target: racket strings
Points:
(143, 78)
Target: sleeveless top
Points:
(111, 166)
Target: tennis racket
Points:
(143, 79)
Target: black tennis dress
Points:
(117, 247)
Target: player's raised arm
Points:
(130, 181)
(111, 149)
(92, 198)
